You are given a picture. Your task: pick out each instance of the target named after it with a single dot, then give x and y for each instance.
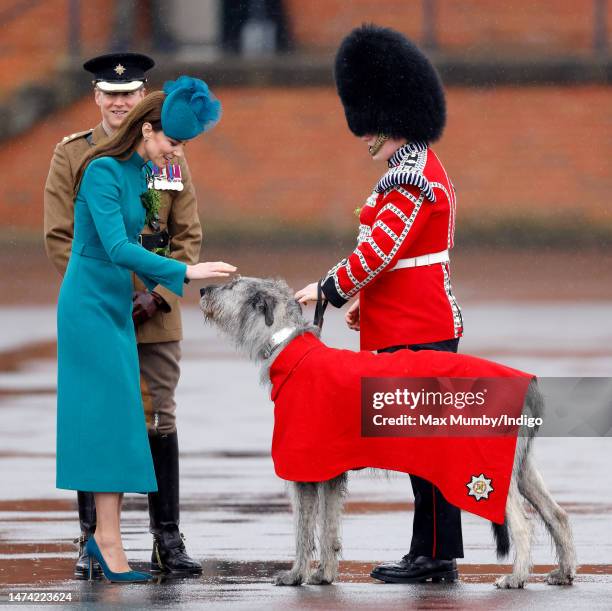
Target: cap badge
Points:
(119, 69)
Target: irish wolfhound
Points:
(262, 317)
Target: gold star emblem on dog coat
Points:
(480, 487)
(119, 69)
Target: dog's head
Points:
(251, 310)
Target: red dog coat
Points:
(317, 422)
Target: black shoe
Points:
(87, 521)
(418, 569)
(169, 555)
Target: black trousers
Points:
(436, 530)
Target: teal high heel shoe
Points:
(93, 551)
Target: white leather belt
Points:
(435, 257)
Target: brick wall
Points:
(33, 44)
(545, 26)
(285, 157)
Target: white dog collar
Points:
(280, 336)
(277, 339)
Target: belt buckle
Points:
(140, 238)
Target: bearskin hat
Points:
(388, 86)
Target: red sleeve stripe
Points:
(399, 213)
(380, 253)
(386, 229)
(366, 268)
(372, 255)
(407, 195)
(357, 268)
(385, 258)
(349, 273)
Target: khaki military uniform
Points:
(158, 338)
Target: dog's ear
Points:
(265, 304)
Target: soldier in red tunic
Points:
(394, 101)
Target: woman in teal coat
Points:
(102, 443)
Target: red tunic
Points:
(317, 422)
(410, 213)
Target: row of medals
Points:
(167, 178)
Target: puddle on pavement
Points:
(14, 359)
(50, 570)
(50, 562)
(256, 505)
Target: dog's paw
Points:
(510, 582)
(557, 577)
(288, 578)
(319, 578)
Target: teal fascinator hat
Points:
(189, 108)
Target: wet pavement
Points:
(235, 513)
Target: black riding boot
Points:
(87, 520)
(169, 555)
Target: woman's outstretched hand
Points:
(307, 294)
(352, 316)
(201, 271)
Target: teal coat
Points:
(102, 442)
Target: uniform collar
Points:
(404, 151)
(406, 167)
(98, 134)
(289, 358)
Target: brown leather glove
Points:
(145, 305)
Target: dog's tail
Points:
(502, 539)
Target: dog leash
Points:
(320, 307)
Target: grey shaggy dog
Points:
(261, 317)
